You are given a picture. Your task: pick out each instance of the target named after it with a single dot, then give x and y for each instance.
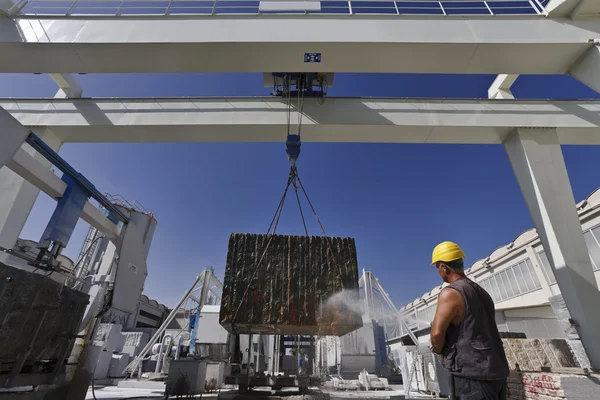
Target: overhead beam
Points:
(337, 120)
(500, 88)
(508, 45)
(68, 86)
(586, 68)
(573, 9)
(40, 176)
(12, 135)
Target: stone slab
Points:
(289, 291)
(535, 354)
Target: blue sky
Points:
(398, 201)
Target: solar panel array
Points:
(251, 7)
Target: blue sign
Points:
(312, 57)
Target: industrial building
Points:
(519, 278)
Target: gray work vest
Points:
(473, 349)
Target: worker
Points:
(464, 332)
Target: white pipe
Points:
(256, 369)
(160, 352)
(178, 347)
(132, 365)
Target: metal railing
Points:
(158, 8)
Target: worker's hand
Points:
(434, 352)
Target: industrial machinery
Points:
(104, 286)
(111, 270)
(205, 286)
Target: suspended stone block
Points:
(301, 287)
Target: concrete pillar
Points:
(68, 86)
(17, 196)
(585, 70)
(500, 88)
(537, 161)
(538, 269)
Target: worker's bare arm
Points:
(448, 308)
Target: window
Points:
(148, 315)
(425, 316)
(495, 291)
(512, 282)
(507, 284)
(500, 284)
(591, 240)
(143, 325)
(546, 267)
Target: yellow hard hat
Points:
(446, 252)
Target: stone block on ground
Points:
(109, 336)
(118, 363)
(346, 384)
(552, 386)
(289, 292)
(102, 365)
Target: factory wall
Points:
(149, 314)
(519, 278)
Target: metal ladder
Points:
(88, 251)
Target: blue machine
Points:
(69, 208)
(292, 148)
(194, 323)
(381, 357)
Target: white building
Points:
(519, 278)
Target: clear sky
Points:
(398, 201)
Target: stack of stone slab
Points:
(552, 386)
(536, 354)
(548, 371)
(288, 293)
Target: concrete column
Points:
(537, 161)
(500, 88)
(17, 196)
(538, 269)
(68, 86)
(585, 70)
